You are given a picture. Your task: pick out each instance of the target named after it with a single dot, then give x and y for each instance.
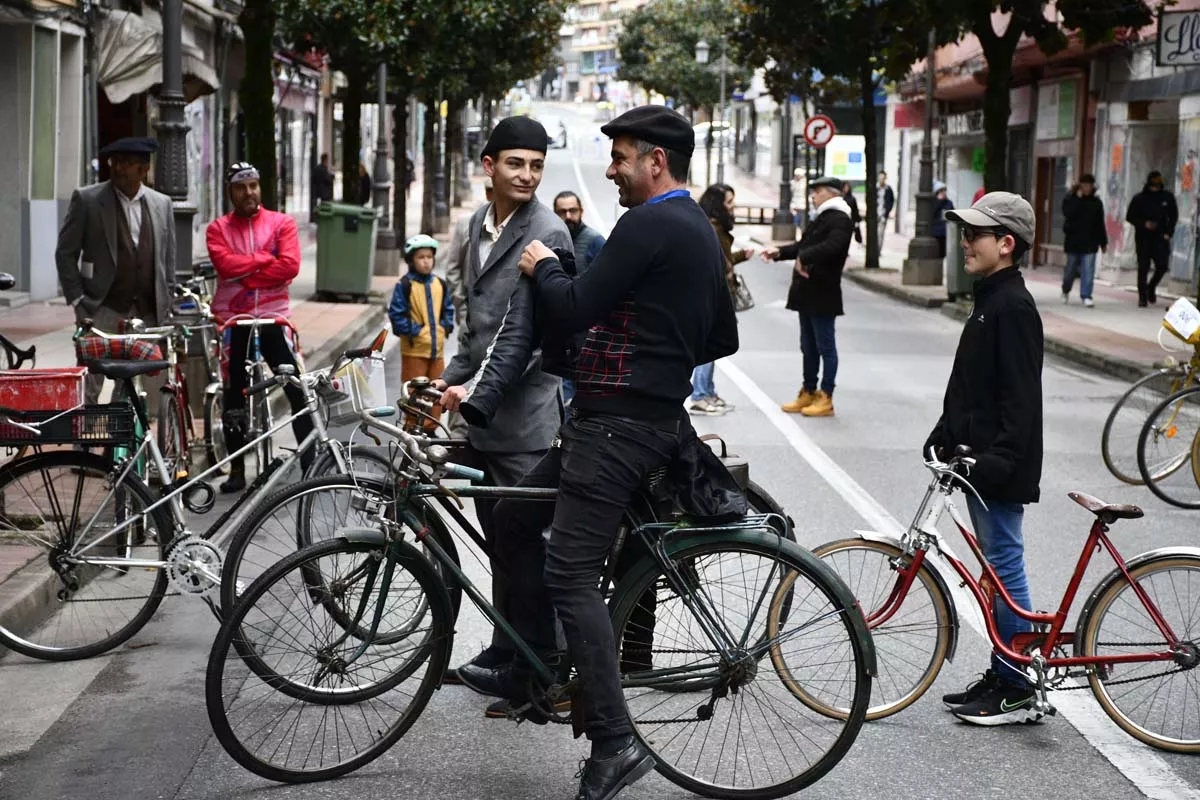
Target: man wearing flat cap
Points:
(116, 248)
(526, 421)
(816, 293)
(650, 307)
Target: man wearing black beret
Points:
(116, 248)
(651, 306)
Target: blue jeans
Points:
(1083, 264)
(702, 382)
(999, 532)
(818, 344)
(568, 391)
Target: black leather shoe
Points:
(491, 681)
(603, 779)
(234, 484)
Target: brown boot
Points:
(804, 399)
(822, 406)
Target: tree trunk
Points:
(998, 51)
(400, 182)
(708, 148)
(867, 86)
(450, 128)
(257, 95)
(429, 155)
(356, 88)
(454, 149)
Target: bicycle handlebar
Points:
(465, 473)
(275, 380)
(245, 320)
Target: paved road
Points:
(132, 724)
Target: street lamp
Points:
(923, 267)
(385, 237)
(702, 52)
(171, 175)
(783, 225)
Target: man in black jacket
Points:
(1083, 235)
(632, 374)
(816, 293)
(1153, 215)
(993, 405)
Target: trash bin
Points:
(345, 251)
(959, 283)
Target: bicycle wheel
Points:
(214, 430)
(1165, 446)
(1149, 700)
(728, 726)
(59, 509)
(172, 434)
(294, 698)
(761, 502)
(911, 645)
(363, 460)
(1119, 441)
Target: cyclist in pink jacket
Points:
(256, 253)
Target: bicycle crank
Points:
(194, 566)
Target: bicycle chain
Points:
(1123, 681)
(118, 599)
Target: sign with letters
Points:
(1178, 38)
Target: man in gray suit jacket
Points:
(528, 419)
(116, 249)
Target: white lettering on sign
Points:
(1178, 38)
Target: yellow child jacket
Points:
(422, 315)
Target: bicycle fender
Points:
(1115, 575)
(938, 577)
(362, 535)
(684, 539)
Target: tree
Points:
(257, 94)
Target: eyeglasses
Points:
(970, 234)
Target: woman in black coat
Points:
(364, 186)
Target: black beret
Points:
(517, 133)
(138, 145)
(826, 180)
(654, 124)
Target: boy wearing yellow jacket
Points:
(421, 312)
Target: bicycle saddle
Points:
(120, 370)
(1107, 512)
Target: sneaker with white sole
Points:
(1088, 303)
(705, 408)
(975, 690)
(1006, 704)
(721, 404)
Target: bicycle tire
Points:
(363, 461)
(648, 579)
(1124, 677)
(214, 428)
(1161, 429)
(891, 636)
(761, 502)
(437, 647)
(171, 434)
(1135, 406)
(23, 506)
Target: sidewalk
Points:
(1115, 337)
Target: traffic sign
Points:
(818, 130)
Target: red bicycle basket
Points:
(56, 389)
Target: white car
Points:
(721, 130)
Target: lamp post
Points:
(715, 128)
(783, 225)
(171, 175)
(923, 265)
(441, 208)
(382, 184)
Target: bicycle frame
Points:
(923, 535)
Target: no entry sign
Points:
(818, 130)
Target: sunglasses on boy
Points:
(970, 233)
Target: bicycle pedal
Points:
(1044, 708)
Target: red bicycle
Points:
(1135, 640)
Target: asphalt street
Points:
(132, 724)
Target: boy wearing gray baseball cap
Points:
(993, 405)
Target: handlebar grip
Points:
(383, 411)
(465, 473)
(258, 387)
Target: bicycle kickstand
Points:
(1041, 705)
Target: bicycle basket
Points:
(94, 426)
(42, 389)
(359, 386)
(1183, 320)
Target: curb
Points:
(897, 293)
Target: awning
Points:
(129, 59)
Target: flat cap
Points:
(828, 181)
(657, 125)
(999, 209)
(138, 145)
(517, 133)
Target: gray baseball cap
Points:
(1004, 209)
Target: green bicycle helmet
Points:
(419, 242)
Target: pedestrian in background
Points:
(816, 293)
(586, 240)
(322, 182)
(941, 204)
(1153, 215)
(364, 185)
(885, 200)
(855, 215)
(422, 314)
(1083, 234)
(993, 404)
(717, 203)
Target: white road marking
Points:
(1139, 763)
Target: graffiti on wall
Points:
(1183, 244)
(1114, 192)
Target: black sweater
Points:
(994, 397)
(654, 304)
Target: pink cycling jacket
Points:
(256, 259)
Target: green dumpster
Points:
(959, 283)
(345, 251)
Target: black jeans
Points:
(601, 464)
(275, 351)
(1155, 249)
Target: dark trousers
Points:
(500, 469)
(818, 345)
(602, 463)
(275, 351)
(1155, 249)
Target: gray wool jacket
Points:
(532, 411)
